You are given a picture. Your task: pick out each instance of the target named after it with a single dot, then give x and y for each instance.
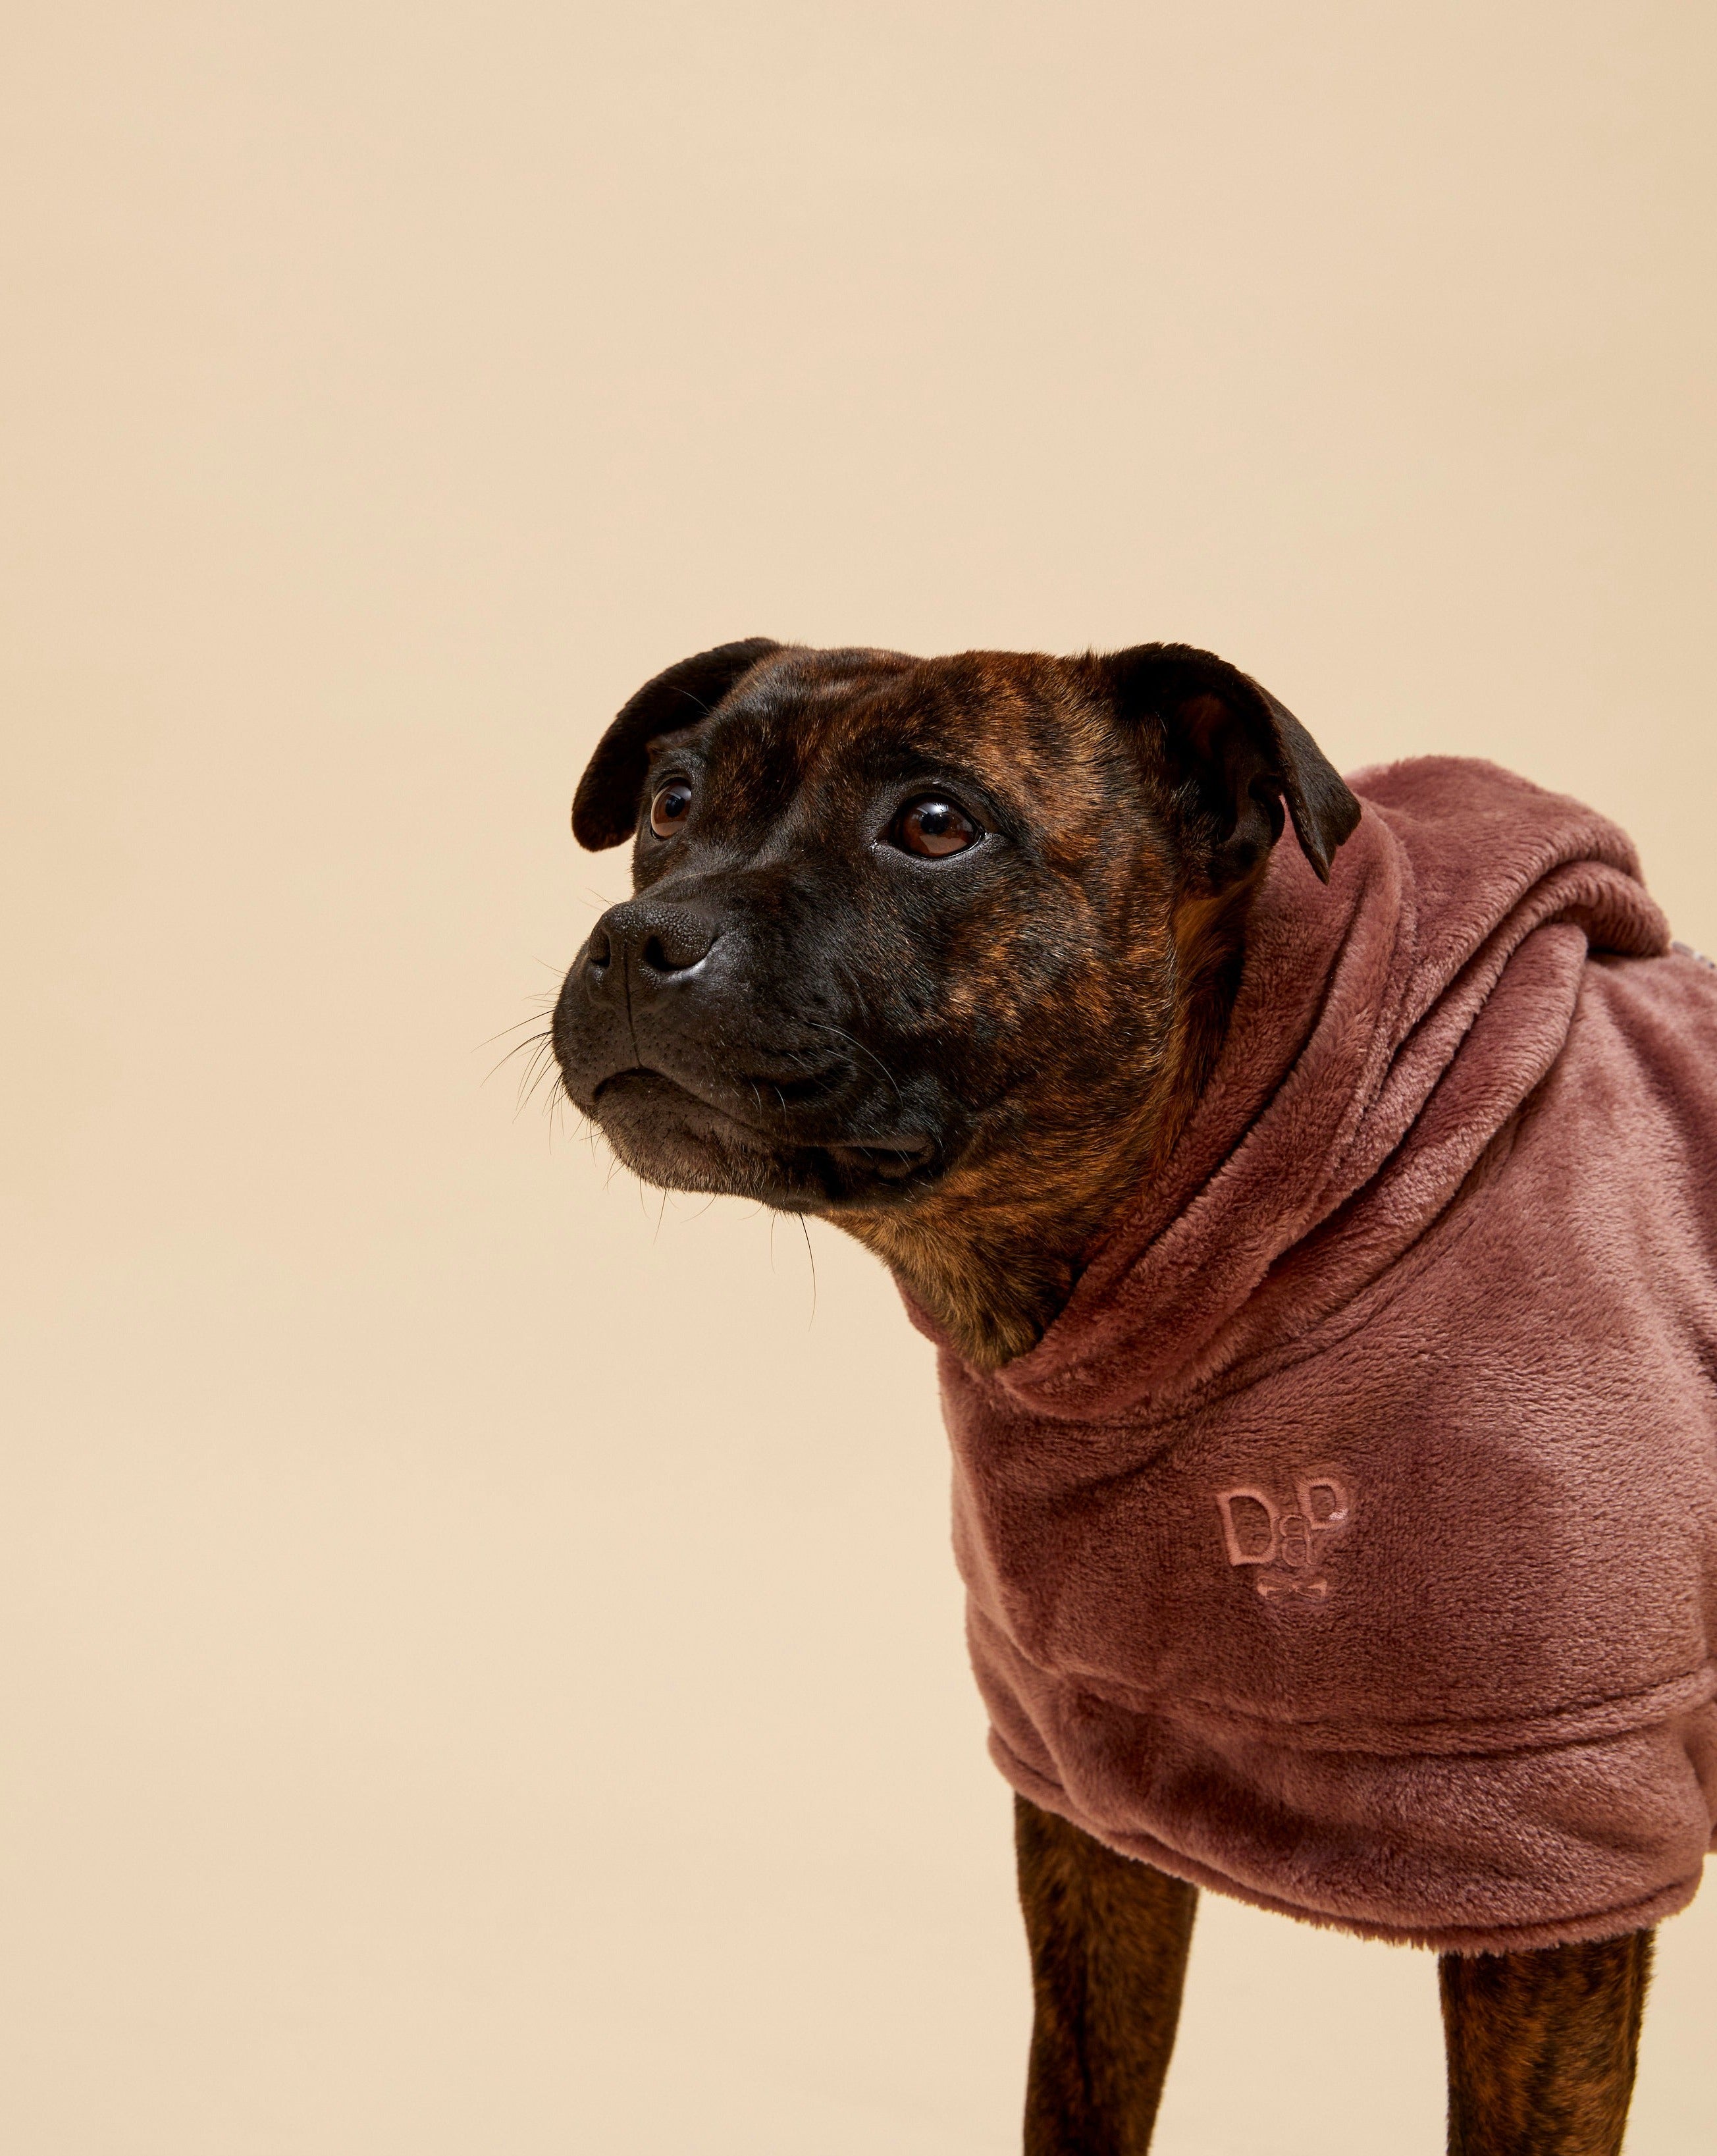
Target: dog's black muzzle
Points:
(714, 1054)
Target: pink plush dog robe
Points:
(1349, 1543)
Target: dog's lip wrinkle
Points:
(767, 1139)
(794, 1091)
(906, 1155)
(916, 1149)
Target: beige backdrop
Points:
(480, 1658)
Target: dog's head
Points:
(926, 945)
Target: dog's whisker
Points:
(542, 1002)
(805, 1230)
(541, 1064)
(823, 1026)
(518, 1048)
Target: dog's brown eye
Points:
(934, 827)
(669, 808)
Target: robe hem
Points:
(1548, 1931)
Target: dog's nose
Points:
(650, 944)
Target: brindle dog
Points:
(901, 925)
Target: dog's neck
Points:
(993, 1268)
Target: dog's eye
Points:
(933, 827)
(669, 808)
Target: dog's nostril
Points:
(597, 957)
(677, 957)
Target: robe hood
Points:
(1349, 1542)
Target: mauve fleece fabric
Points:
(1349, 1543)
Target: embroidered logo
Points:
(1286, 1541)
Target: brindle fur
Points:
(1542, 2047)
(968, 1065)
(1109, 1941)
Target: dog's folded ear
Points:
(605, 808)
(1232, 756)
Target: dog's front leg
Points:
(1542, 2047)
(1108, 1939)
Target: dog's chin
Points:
(679, 1140)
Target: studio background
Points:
(479, 1656)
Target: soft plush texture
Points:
(1349, 1543)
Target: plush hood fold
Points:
(1387, 1027)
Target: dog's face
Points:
(914, 939)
